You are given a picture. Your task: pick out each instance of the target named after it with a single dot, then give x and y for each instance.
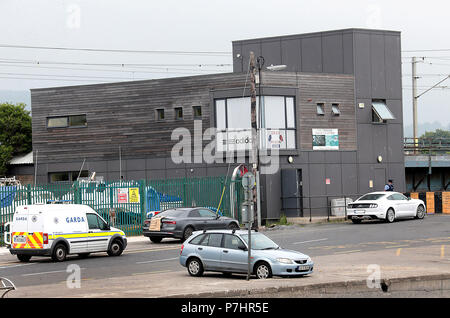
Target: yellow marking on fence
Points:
(399, 250)
(442, 251)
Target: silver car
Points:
(226, 251)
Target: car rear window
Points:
(198, 239)
(371, 197)
(173, 213)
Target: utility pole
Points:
(414, 98)
(255, 141)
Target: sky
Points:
(207, 27)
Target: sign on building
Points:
(325, 139)
(134, 195)
(122, 195)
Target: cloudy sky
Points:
(206, 27)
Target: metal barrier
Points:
(6, 286)
(124, 204)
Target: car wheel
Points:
(356, 221)
(187, 232)
(233, 226)
(390, 216)
(420, 214)
(59, 253)
(194, 267)
(116, 248)
(84, 255)
(23, 258)
(263, 271)
(156, 239)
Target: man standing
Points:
(389, 186)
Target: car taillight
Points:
(157, 212)
(182, 246)
(146, 222)
(45, 238)
(169, 222)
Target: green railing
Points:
(125, 204)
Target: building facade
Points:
(334, 117)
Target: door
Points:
(234, 258)
(98, 233)
(209, 220)
(292, 192)
(210, 251)
(35, 231)
(400, 204)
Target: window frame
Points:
(157, 112)
(176, 110)
(194, 115)
(68, 121)
(320, 106)
(337, 107)
(262, 124)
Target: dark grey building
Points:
(336, 112)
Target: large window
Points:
(68, 176)
(277, 126)
(67, 121)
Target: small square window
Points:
(197, 110)
(178, 113)
(321, 109)
(77, 121)
(335, 109)
(160, 114)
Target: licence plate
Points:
(303, 268)
(360, 211)
(20, 239)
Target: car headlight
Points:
(309, 260)
(373, 205)
(285, 260)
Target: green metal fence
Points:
(125, 204)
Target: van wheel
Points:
(156, 239)
(59, 253)
(84, 255)
(116, 248)
(23, 258)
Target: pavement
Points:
(411, 254)
(332, 273)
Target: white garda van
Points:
(57, 230)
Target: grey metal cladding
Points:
(333, 53)
(393, 68)
(377, 60)
(363, 78)
(312, 54)
(290, 54)
(271, 51)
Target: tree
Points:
(438, 134)
(15, 133)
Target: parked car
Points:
(226, 251)
(182, 222)
(387, 206)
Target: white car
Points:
(387, 206)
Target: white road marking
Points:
(158, 260)
(11, 266)
(44, 273)
(319, 240)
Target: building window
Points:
(68, 176)
(178, 113)
(321, 109)
(380, 112)
(160, 114)
(197, 110)
(335, 109)
(277, 127)
(67, 121)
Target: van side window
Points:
(93, 221)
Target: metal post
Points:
(414, 97)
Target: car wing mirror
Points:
(242, 247)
